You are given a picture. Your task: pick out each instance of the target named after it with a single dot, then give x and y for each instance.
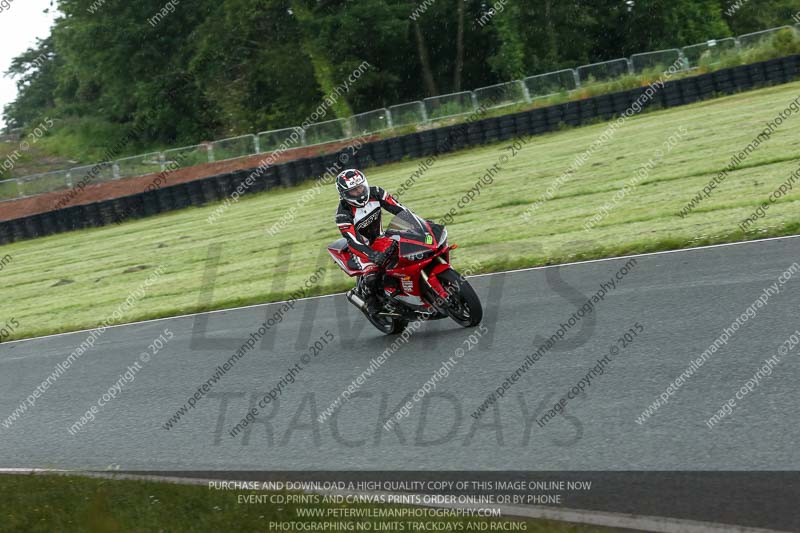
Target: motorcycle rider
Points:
(359, 219)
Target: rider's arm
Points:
(345, 222)
(387, 201)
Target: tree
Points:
(658, 24)
(247, 61)
(35, 70)
(752, 15)
(459, 62)
(217, 68)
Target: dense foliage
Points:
(207, 69)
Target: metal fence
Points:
(328, 131)
(502, 95)
(603, 71)
(410, 113)
(757, 38)
(232, 148)
(711, 52)
(285, 139)
(655, 60)
(419, 113)
(450, 105)
(139, 165)
(371, 122)
(544, 85)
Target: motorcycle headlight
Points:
(443, 238)
(418, 256)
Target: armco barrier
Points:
(447, 139)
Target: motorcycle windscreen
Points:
(408, 226)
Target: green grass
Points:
(75, 280)
(79, 504)
(88, 139)
(37, 159)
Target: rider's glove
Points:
(379, 258)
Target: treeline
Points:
(182, 72)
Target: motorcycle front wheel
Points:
(464, 306)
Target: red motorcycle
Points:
(417, 281)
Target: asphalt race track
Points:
(682, 302)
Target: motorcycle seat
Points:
(342, 247)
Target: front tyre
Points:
(464, 306)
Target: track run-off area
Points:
(577, 406)
(628, 354)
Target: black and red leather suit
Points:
(362, 225)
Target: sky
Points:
(21, 22)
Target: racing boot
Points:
(370, 290)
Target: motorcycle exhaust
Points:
(356, 300)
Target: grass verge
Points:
(75, 280)
(45, 503)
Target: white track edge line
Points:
(574, 263)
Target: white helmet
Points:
(353, 187)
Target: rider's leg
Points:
(369, 282)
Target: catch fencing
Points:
(411, 114)
(419, 144)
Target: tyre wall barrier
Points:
(415, 145)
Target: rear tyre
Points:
(464, 305)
